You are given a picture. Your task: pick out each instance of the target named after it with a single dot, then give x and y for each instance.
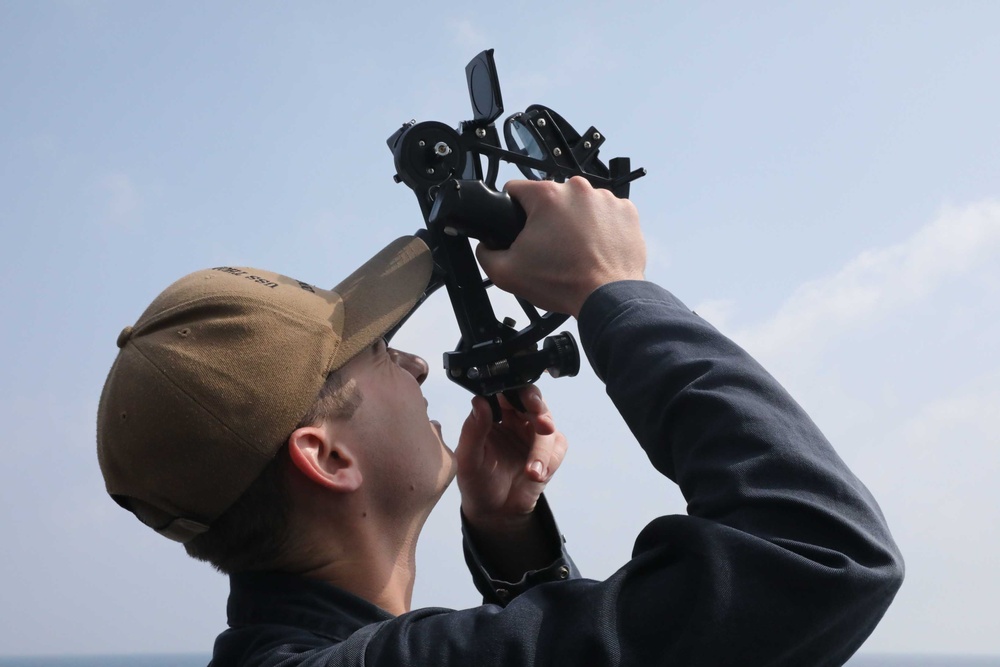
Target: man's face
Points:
(404, 462)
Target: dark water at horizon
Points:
(150, 660)
(201, 659)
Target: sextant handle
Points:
(471, 208)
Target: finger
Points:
(545, 457)
(531, 194)
(470, 451)
(536, 411)
(548, 445)
(515, 431)
(508, 405)
(536, 421)
(522, 427)
(519, 189)
(529, 395)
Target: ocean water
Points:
(151, 660)
(877, 660)
(201, 659)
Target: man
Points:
(263, 423)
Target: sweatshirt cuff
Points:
(497, 591)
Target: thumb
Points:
(488, 258)
(494, 262)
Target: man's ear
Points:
(323, 459)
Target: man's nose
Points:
(411, 363)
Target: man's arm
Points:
(504, 538)
(789, 557)
(784, 557)
(743, 452)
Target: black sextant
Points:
(459, 200)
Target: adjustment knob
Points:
(564, 355)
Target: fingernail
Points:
(536, 467)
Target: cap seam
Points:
(201, 407)
(164, 314)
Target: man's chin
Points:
(436, 427)
(451, 464)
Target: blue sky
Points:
(824, 186)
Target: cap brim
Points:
(381, 293)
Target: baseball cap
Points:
(215, 375)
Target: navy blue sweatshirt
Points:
(783, 558)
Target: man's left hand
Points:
(504, 467)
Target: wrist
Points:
(511, 546)
(498, 523)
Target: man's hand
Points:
(576, 238)
(502, 470)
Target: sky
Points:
(824, 187)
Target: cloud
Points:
(894, 356)
(921, 433)
(717, 311)
(939, 495)
(880, 281)
(955, 441)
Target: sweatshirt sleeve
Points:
(782, 560)
(802, 551)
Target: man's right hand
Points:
(576, 238)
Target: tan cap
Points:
(219, 370)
